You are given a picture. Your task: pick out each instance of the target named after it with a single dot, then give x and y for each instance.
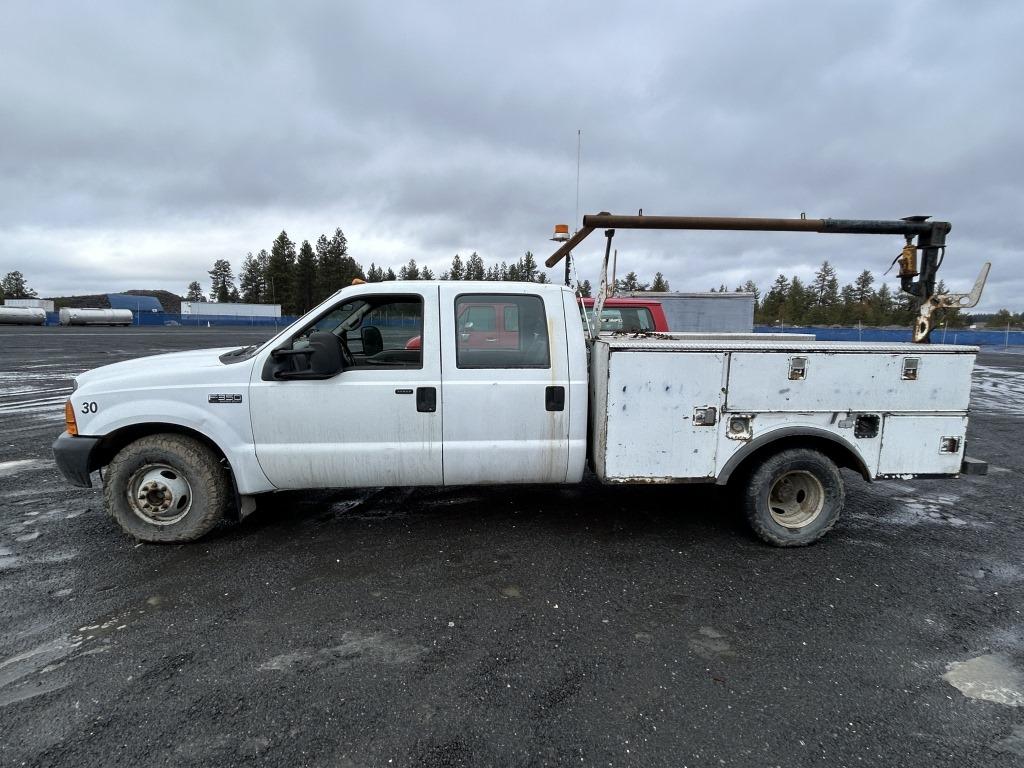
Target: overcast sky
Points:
(141, 141)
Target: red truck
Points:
(496, 326)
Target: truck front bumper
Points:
(73, 455)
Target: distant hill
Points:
(171, 302)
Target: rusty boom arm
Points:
(916, 279)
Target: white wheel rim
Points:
(796, 499)
(159, 494)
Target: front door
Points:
(378, 421)
(505, 404)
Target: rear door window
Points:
(522, 343)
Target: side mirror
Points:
(325, 358)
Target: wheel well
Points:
(839, 453)
(118, 439)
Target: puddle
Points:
(989, 678)
(710, 643)
(997, 390)
(9, 468)
(355, 647)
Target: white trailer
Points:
(44, 304)
(729, 312)
(230, 309)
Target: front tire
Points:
(793, 498)
(166, 488)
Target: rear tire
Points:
(166, 488)
(793, 498)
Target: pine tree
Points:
(426, 273)
(883, 305)
(474, 267)
(528, 268)
(774, 305)
(251, 279)
(222, 280)
(410, 271)
(350, 268)
(457, 272)
(862, 287)
(195, 292)
(390, 274)
(583, 289)
(542, 278)
(279, 273)
(660, 284)
(15, 287)
(632, 283)
(374, 274)
(304, 279)
(797, 299)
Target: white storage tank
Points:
(77, 316)
(22, 316)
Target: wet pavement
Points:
(504, 626)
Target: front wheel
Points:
(793, 498)
(166, 488)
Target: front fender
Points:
(227, 425)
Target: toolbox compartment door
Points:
(815, 381)
(662, 415)
(920, 445)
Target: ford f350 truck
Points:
(340, 399)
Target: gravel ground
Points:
(495, 626)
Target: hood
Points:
(171, 369)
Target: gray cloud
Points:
(140, 143)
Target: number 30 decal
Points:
(89, 407)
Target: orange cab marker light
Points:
(69, 418)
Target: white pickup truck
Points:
(343, 398)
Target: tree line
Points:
(300, 278)
(790, 301)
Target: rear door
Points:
(505, 405)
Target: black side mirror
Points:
(325, 354)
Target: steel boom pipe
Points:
(838, 226)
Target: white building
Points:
(226, 309)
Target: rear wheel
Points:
(166, 488)
(793, 498)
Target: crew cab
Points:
(340, 399)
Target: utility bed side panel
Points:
(843, 382)
(653, 432)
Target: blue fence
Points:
(200, 321)
(977, 338)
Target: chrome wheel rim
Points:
(796, 499)
(159, 494)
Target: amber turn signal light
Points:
(69, 419)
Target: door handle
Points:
(426, 399)
(491, 340)
(554, 398)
